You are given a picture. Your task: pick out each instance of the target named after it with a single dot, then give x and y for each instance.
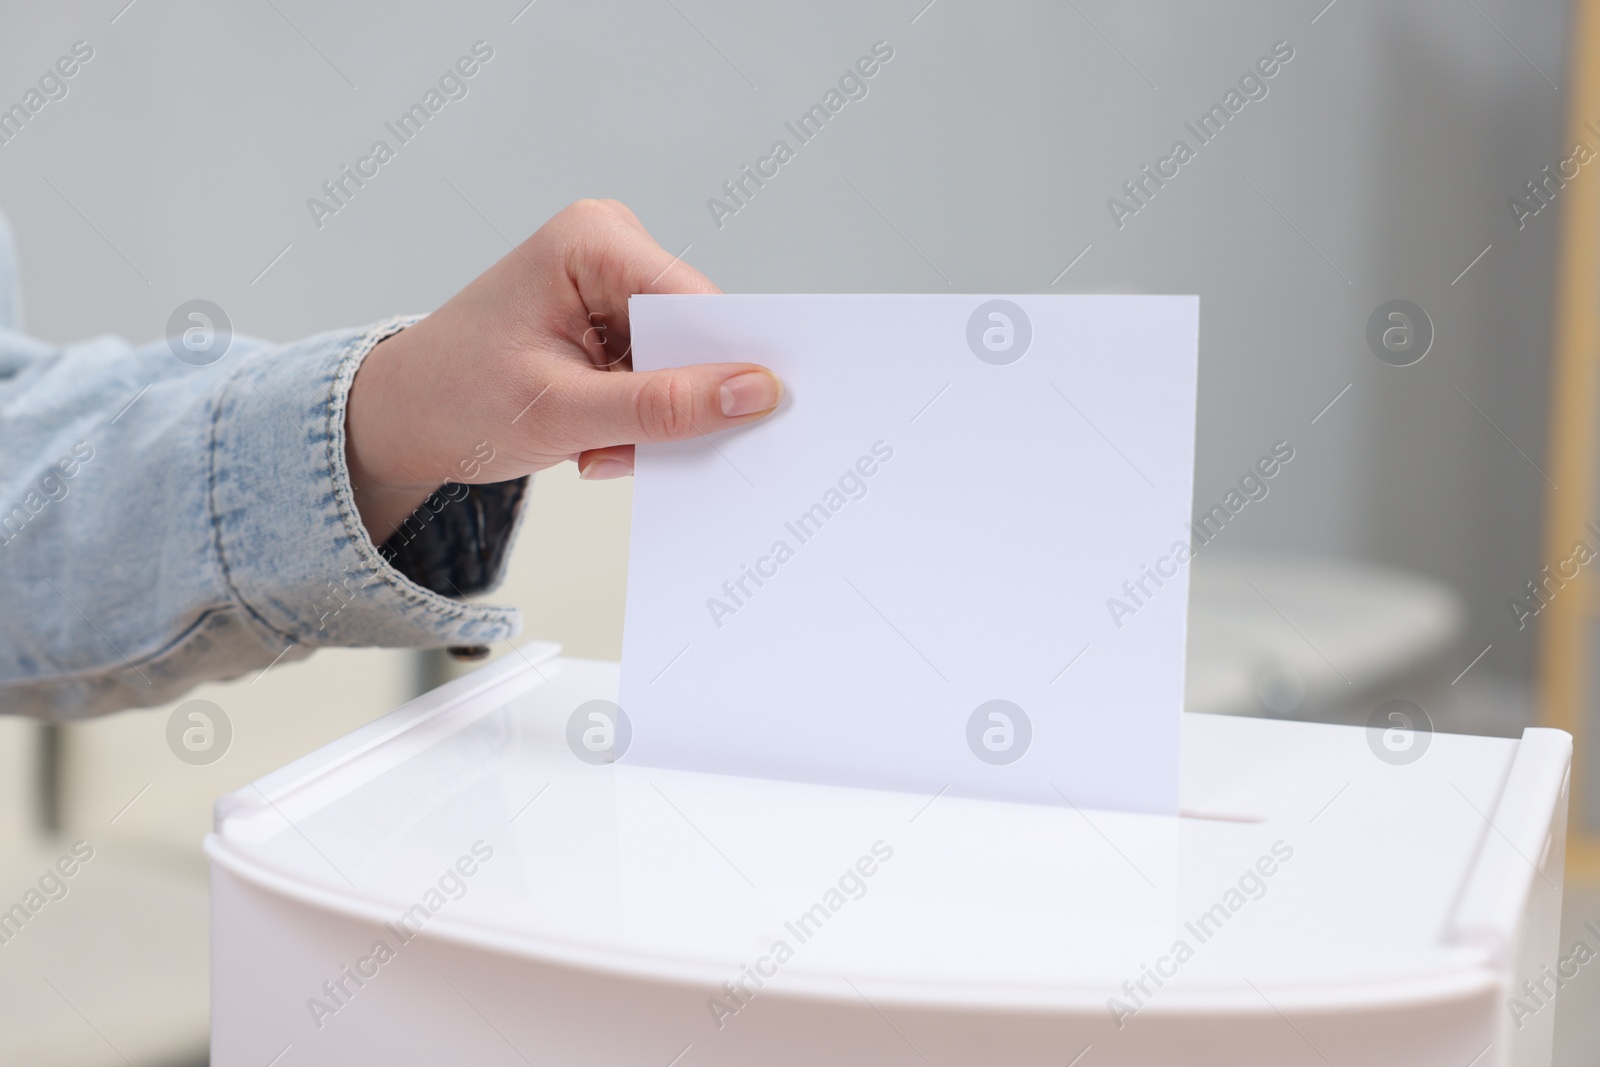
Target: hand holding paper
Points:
(526, 348)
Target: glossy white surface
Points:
(690, 877)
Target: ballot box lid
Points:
(1314, 864)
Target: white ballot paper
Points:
(954, 559)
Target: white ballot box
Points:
(470, 880)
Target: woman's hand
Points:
(523, 366)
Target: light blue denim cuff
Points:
(293, 549)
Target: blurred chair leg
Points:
(51, 740)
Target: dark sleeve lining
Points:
(455, 543)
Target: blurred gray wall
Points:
(1377, 167)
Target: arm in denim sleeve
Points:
(163, 524)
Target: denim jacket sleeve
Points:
(163, 524)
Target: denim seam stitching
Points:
(153, 658)
(224, 571)
(355, 531)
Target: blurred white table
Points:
(1311, 636)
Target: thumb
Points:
(630, 407)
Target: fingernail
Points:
(601, 469)
(748, 393)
